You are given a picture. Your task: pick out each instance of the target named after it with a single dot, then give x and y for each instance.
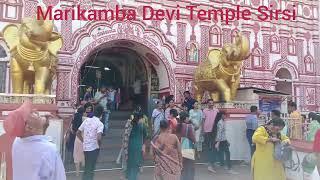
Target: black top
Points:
(189, 103)
(77, 121)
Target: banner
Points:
(266, 105)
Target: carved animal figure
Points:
(33, 47)
(219, 74)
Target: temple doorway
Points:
(284, 82)
(120, 68)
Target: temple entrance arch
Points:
(118, 66)
(151, 46)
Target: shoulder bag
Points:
(187, 148)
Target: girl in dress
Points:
(78, 155)
(196, 119)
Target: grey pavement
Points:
(201, 174)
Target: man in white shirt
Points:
(92, 129)
(34, 157)
(111, 97)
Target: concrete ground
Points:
(201, 174)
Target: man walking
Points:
(209, 116)
(92, 129)
(252, 125)
(101, 98)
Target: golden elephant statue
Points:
(33, 48)
(219, 74)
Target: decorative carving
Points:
(266, 51)
(19, 98)
(181, 41)
(226, 35)
(204, 41)
(310, 96)
(66, 25)
(300, 55)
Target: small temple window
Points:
(192, 53)
(275, 44)
(234, 34)
(256, 57)
(215, 37)
(309, 64)
(291, 46)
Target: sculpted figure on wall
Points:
(33, 47)
(193, 53)
(219, 74)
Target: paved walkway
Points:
(201, 174)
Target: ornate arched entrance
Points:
(151, 45)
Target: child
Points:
(221, 144)
(88, 95)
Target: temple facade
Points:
(164, 54)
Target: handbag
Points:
(187, 148)
(3, 168)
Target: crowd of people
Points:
(178, 136)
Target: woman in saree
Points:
(264, 165)
(167, 154)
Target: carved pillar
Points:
(181, 41)
(226, 35)
(63, 77)
(66, 32)
(284, 47)
(30, 8)
(299, 49)
(204, 46)
(266, 51)
(247, 62)
(317, 57)
(3, 76)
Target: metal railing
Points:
(296, 129)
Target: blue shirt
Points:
(36, 158)
(252, 121)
